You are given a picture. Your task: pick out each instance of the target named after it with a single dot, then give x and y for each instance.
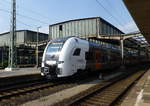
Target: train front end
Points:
(56, 58)
(50, 59)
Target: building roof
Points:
(89, 18)
(23, 31)
(74, 20)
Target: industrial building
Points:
(89, 28)
(85, 27)
(26, 47)
(22, 37)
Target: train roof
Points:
(62, 39)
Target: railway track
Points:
(109, 92)
(6, 82)
(30, 91)
(17, 94)
(24, 84)
(20, 89)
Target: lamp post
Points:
(37, 40)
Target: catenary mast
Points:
(12, 47)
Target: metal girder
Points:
(137, 38)
(119, 37)
(33, 44)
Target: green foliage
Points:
(5, 64)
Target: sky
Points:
(34, 13)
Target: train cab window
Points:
(77, 52)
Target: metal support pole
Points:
(122, 50)
(37, 49)
(12, 47)
(122, 67)
(2, 57)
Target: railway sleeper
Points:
(108, 96)
(90, 102)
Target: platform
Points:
(140, 93)
(73, 93)
(62, 95)
(138, 96)
(19, 72)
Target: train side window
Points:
(77, 52)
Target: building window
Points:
(60, 28)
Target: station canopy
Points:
(132, 40)
(140, 11)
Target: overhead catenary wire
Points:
(47, 17)
(28, 17)
(123, 6)
(116, 10)
(26, 24)
(30, 10)
(6, 11)
(23, 23)
(34, 19)
(31, 18)
(44, 24)
(109, 13)
(123, 20)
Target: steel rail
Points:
(107, 95)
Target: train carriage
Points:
(67, 56)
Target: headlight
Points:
(42, 74)
(51, 62)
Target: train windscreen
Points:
(53, 50)
(54, 47)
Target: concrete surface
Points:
(18, 72)
(62, 95)
(140, 93)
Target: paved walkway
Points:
(140, 93)
(144, 96)
(18, 72)
(64, 95)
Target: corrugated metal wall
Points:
(22, 37)
(79, 28)
(107, 28)
(82, 27)
(32, 36)
(5, 38)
